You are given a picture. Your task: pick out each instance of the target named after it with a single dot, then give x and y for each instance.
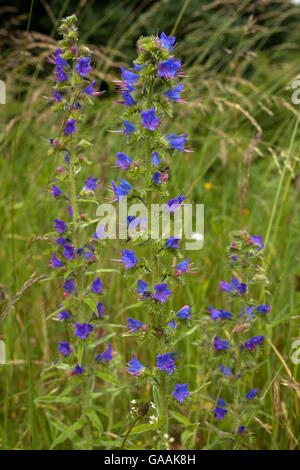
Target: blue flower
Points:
(174, 93)
(183, 266)
(134, 324)
(61, 241)
(69, 286)
(70, 127)
(55, 262)
(180, 392)
(219, 412)
(60, 226)
(149, 120)
(58, 59)
(129, 258)
(143, 289)
(249, 312)
(68, 251)
(70, 211)
(176, 141)
(220, 345)
(166, 362)
(251, 394)
(137, 67)
(172, 324)
(223, 314)
(173, 242)
(174, 203)
(162, 292)
(97, 286)
(136, 368)
(184, 312)
(90, 183)
(106, 356)
(167, 42)
(251, 343)
(169, 68)
(121, 190)
(235, 287)
(65, 348)
(156, 178)
(129, 128)
(225, 370)
(257, 241)
(129, 78)
(263, 308)
(64, 315)
(57, 95)
(154, 159)
(128, 99)
(100, 310)
(56, 192)
(82, 330)
(123, 161)
(241, 429)
(89, 90)
(83, 67)
(61, 75)
(78, 370)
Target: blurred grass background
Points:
(241, 58)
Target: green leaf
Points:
(68, 433)
(188, 333)
(101, 340)
(95, 420)
(140, 428)
(180, 417)
(107, 378)
(156, 399)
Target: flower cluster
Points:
(149, 90)
(235, 341)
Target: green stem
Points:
(128, 432)
(164, 413)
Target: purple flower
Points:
(183, 266)
(174, 93)
(128, 99)
(166, 362)
(137, 67)
(60, 226)
(235, 287)
(167, 42)
(56, 192)
(249, 312)
(251, 394)
(129, 78)
(97, 286)
(241, 429)
(78, 370)
(58, 60)
(225, 370)
(64, 315)
(156, 178)
(162, 292)
(100, 310)
(91, 183)
(129, 258)
(68, 251)
(82, 330)
(149, 120)
(123, 161)
(121, 190)
(65, 348)
(222, 314)
(136, 368)
(220, 411)
(129, 128)
(89, 90)
(69, 286)
(251, 343)
(257, 241)
(55, 262)
(174, 203)
(220, 345)
(172, 324)
(106, 356)
(173, 242)
(180, 392)
(61, 75)
(263, 308)
(70, 127)
(143, 289)
(169, 68)
(184, 312)
(61, 241)
(176, 141)
(154, 159)
(134, 324)
(83, 67)
(57, 95)
(70, 211)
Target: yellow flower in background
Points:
(246, 211)
(208, 186)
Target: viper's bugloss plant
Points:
(149, 91)
(236, 342)
(76, 246)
